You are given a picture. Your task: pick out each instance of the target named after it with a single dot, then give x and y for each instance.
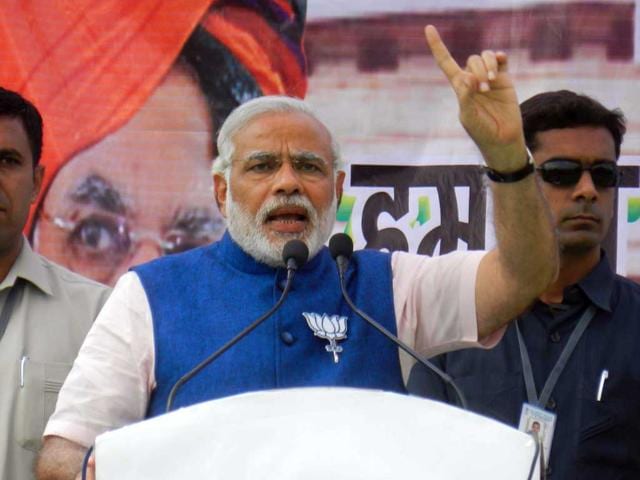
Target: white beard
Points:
(249, 231)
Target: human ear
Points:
(220, 187)
(38, 175)
(339, 185)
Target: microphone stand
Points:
(342, 261)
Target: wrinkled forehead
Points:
(283, 133)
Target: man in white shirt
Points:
(278, 177)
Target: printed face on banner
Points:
(582, 212)
(141, 192)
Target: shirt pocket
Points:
(41, 383)
(611, 428)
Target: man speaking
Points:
(278, 177)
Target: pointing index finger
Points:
(440, 52)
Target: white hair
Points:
(245, 113)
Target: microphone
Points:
(341, 248)
(295, 254)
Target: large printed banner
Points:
(133, 92)
(415, 178)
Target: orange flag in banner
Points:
(87, 65)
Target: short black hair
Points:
(567, 109)
(14, 105)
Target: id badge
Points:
(539, 423)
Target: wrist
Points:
(514, 175)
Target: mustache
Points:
(298, 201)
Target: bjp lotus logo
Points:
(329, 327)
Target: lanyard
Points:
(9, 304)
(549, 385)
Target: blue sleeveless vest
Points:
(202, 298)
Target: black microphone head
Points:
(341, 245)
(296, 251)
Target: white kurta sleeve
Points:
(434, 300)
(113, 376)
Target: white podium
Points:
(316, 433)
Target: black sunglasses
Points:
(564, 172)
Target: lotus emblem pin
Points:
(329, 327)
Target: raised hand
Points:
(489, 109)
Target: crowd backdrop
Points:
(132, 94)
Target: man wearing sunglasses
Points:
(572, 359)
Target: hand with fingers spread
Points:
(489, 109)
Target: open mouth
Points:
(288, 219)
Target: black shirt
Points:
(593, 439)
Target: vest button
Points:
(287, 338)
(555, 337)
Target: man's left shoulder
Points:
(62, 279)
(627, 290)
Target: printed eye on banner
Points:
(445, 179)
